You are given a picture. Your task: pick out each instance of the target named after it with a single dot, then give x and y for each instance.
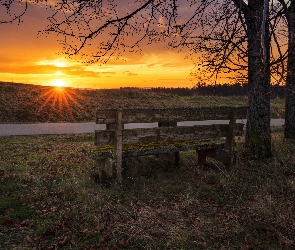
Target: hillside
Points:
(26, 103)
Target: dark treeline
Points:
(217, 90)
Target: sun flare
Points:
(59, 102)
(58, 83)
(59, 64)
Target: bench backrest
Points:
(146, 115)
(167, 119)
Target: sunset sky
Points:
(28, 58)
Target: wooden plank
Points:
(146, 115)
(106, 137)
(118, 146)
(164, 148)
(171, 158)
(239, 129)
(162, 134)
(230, 136)
(170, 134)
(154, 149)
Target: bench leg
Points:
(171, 158)
(223, 156)
(201, 158)
(227, 158)
(177, 158)
(99, 164)
(232, 159)
(105, 169)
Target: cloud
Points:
(28, 69)
(132, 74)
(150, 65)
(128, 73)
(60, 62)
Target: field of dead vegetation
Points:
(24, 103)
(50, 199)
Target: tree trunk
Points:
(290, 81)
(258, 138)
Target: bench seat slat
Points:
(162, 134)
(154, 148)
(146, 115)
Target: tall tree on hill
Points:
(256, 15)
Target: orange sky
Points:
(26, 58)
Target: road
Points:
(89, 127)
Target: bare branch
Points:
(12, 16)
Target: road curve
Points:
(90, 127)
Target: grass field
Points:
(24, 103)
(50, 197)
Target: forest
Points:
(202, 89)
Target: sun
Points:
(59, 64)
(58, 83)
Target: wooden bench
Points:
(115, 143)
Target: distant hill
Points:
(27, 103)
(217, 90)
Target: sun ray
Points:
(66, 102)
(44, 94)
(60, 101)
(60, 106)
(55, 99)
(50, 96)
(69, 96)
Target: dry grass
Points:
(23, 103)
(49, 199)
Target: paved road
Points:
(88, 127)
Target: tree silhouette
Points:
(12, 10)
